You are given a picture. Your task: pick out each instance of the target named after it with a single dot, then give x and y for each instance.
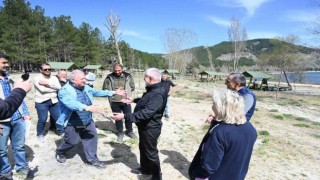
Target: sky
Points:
(144, 22)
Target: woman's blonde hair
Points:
(230, 107)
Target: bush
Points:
(301, 125)
(280, 117)
(264, 133)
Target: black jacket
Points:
(11, 104)
(149, 109)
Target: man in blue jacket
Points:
(76, 116)
(237, 82)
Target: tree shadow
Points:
(178, 161)
(77, 149)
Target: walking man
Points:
(120, 80)
(46, 87)
(13, 128)
(76, 116)
(147, 116)
(169, 87)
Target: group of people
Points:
(224, 152)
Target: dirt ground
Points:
(289, 149)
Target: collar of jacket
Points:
(153, 86)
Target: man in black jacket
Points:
(147, 116)
(9, 105)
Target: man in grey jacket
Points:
(120, 80)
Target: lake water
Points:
(305, 78)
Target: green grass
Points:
(101, 135)
(264, 133)
(316, 136)
(280, 117)
(288, 115)
(274, 110)
(302, 125)
(316, 123)
(301, 119)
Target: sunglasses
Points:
(46, 69)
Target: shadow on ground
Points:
(178, 161)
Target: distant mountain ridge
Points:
(220, 52)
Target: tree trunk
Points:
(285, 75)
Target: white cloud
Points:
(302, 16)
(136, 34)
(219, 21)
(250, 5)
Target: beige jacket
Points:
(44, 93)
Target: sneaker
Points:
(98, 164)
(6, 176)
(120, 137)
(24, 171)
(40, 138)
(140, 171)
(60, 134)
(131, 135)
(61, 158)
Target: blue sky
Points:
(144, 22)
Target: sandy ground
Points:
(289, 152)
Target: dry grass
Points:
(285, 149)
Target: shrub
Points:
(280, 117)
(302, 125)
(264, 133)
(300, 119)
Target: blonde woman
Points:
(226, 149)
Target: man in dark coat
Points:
(147, 116)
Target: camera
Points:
(25, 76)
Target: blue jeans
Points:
(42, 110)
(166, 110)
(15, 130)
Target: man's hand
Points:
(25, 85)
(94, 109)
(117, 116)
(128, 100)
(120, 92)
(27, 118)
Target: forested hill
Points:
(31, 38)
(254, 48)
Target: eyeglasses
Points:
(46, 69)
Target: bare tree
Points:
(175, 40)
(113, 21)
(237, 37)
(284, 56)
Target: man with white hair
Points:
(147, 116)
(76, 116)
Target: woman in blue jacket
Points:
(226, 149)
